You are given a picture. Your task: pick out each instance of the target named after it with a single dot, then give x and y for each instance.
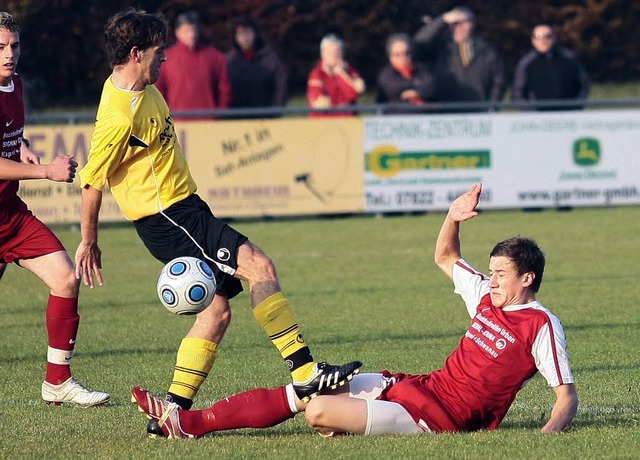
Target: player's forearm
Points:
(563, 412)
(12, 170)
(91, 202)
(447, 250)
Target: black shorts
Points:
(189, 228)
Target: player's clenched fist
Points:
(62, 169)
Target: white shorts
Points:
(383, 417)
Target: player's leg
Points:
(362, 413)
(333, 414)
(3, 267)
(197, 351)
(257, 408)
(62, 320)
(184, 230)
(276, 316)
(329, 415)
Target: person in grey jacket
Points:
(549, 72)
(467, 68)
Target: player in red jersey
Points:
(511, 337)
(26, 241)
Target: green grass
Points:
(363, 288)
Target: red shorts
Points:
(414, 394)
(23, 236)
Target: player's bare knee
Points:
(66, 285)
(218, 312)
(314, 413)
(254, 265)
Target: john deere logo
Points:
(586, 151)
(388, 160)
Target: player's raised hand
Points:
(62, 169)
(88, 264)
(464, 207)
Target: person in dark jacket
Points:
(466, 67)
(549, 72)
(403, 81)
(258, 76)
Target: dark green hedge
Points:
(64, 65)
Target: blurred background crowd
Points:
(337, 52)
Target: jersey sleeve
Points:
(109, 144)
(470, 284)
(550, 353)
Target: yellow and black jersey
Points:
(135, 150)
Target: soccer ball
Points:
(186, 286)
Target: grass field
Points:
(362, 287)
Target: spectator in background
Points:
(257, 76)
(195, 75)
(401, 80)
(333, 82)
(549, 72)
(466, 67)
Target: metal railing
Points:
(74, 118)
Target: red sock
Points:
(62, 329)
(258, 408)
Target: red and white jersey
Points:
(502, 349)
(12, 129)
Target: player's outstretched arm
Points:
(88, 254)
(61, 169)
(461, 209)
(564, 410)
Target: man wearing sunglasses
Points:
(549, 72)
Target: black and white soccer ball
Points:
(186, 285)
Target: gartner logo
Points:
(586, 151)
(388, 160)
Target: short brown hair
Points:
(8, 23)
(526, 256)
(131, 28)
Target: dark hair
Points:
(544, 24)
(8, 23)
(188, 17)
(525, 254)
(398, 37)
(132, 28)
(249, 22)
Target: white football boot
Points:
(72, 391)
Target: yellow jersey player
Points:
(135, 151)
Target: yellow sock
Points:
(193, 363)
(276, 317)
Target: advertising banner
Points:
(278, 167)
(242, 168)
(525, 160)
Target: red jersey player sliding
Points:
(29, 243)
(511, 337)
